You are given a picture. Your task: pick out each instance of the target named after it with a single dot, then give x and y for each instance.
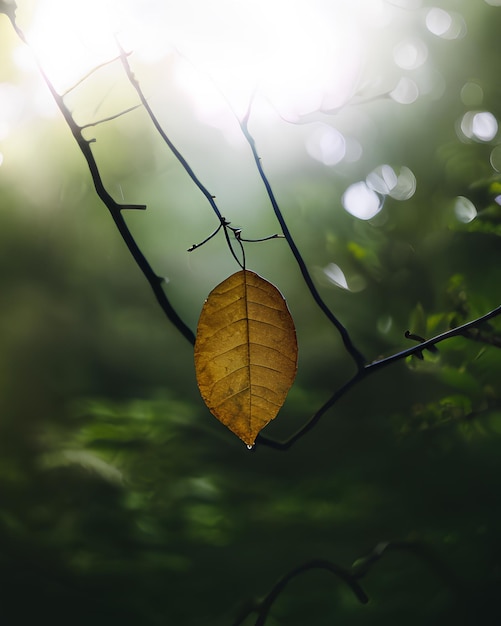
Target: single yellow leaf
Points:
(245, 353)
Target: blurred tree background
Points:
(122, 500)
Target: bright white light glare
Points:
(1, 158)
(361, 201)
(406, 91)
(410, 54)
(465, 210)
(444, 24)
(302, 56)
(438, 21)
(377, 13)
(326, 144)
(484, 126)
(70, 38)
(479, 125)
(406, 4)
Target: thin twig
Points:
(213, 234)
(274, 236)
(453, 332)
(89, 74)
(111, 117)
(133, 207)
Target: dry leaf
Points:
(245, 353)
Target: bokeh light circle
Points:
(464, 210)
(445, 24)
(326, 144)
(479, 125)
(410, 54)
(406, 91)
(361, 201)
(472, 94)
(385, 181)
(495, 158)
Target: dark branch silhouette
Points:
(263, 607)
(352, 576)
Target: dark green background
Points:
(123, 501)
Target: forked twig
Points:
(237, 233)
(352, 576)
(263, 607)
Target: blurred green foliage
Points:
(123, 501)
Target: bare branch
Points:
(133, 207)
(428, 344)
(111, 117)
(274, 236)
(89, 74)
(263, 607)
(213, 234)
(423, 552)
